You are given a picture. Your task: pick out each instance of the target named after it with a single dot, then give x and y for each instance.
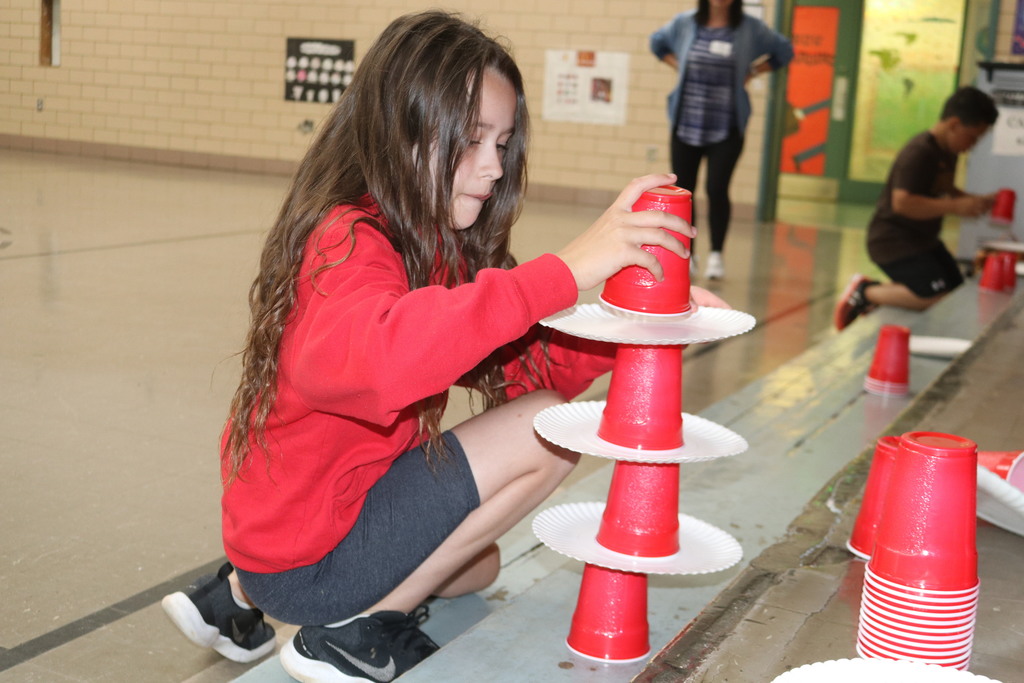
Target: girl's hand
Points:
(614, 241)
(702, 297)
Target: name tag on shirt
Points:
(720, 48)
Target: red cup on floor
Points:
(1002, 208)
(927, 537)
(644, 406)
(634, 288)
(992, 273)
(641, 517)
(1009, 465)
(862, 540)
(610, 621)
(889, 374)
(1009, 270)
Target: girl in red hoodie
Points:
(386, 280)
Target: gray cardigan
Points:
(753, 39)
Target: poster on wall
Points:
(809, 90)
(586, 86)
(1008, 132)
(317, 70)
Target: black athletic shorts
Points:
(926, 275)
(407, 515)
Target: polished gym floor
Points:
(122, 306)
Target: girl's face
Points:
(481, 167)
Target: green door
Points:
(867, 76)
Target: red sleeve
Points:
(571, 365)
(363, 345)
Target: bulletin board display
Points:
(586, 86)
(317, 70)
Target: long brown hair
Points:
(414, 98)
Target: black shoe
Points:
(379, 647)
(210, 617)
(853, 302)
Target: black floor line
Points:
(51, 640)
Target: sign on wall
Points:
(318, 70)
(1008, 132)
(586, 86)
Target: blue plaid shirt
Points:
(706, 111)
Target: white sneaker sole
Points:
(309, 670)
(189, 621)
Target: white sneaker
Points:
(715, 270)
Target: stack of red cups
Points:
(643, 412)
(921, 586)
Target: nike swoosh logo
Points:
(378, 673)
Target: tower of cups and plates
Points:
(639, 529)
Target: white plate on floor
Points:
(571, 530)
(1005, 245)
(706, 324)
(938, 347)
(999, 502)
(877, 671)
(574, 426)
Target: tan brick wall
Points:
(188, 81)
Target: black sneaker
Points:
(210, 617)
(853, 302)
(379, 647)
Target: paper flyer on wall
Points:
(586, 86)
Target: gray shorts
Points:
(407, 515)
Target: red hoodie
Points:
(360, 350)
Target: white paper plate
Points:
(1005, 245)
(706, 324)
(877, 671)
(1000, 503)
(574, 426)
(571, 530)
(938, 347)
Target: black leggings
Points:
(722, 158)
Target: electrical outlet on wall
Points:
(39, 104)
(652, 153)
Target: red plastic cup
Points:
(641, 517)
(644, 406)
(867, 652)
(610, 621)
(927, 539)
(1009, 465)
(1002, 209)
(634, 288)
(862, 540)
(1009, 269)
(889, 374)
(992, 274)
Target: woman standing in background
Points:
(716, 49)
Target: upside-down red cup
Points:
(862, 540)
(1009, 269)
(927, 538)
(641, 517)
(1009, 465)
(1002, 208)
(610, 621)
(634, 288)
(644, 405)
(889, 374)
(992, 273)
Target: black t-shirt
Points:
(921, 168)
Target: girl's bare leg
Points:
(515, 471)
